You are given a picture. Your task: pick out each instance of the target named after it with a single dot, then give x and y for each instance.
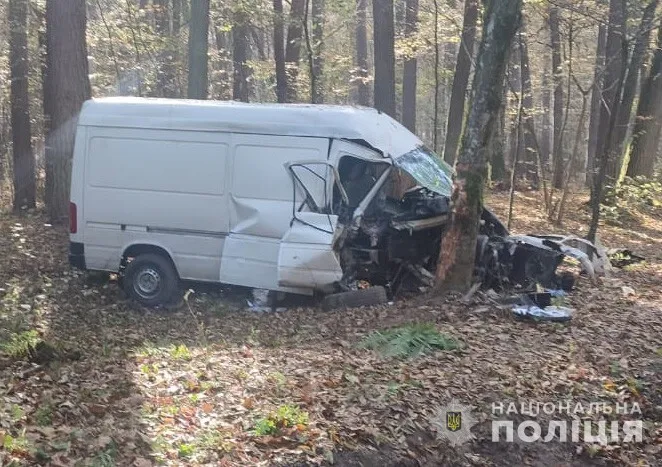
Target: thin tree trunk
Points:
(317, 90)
(557, 69)
(68, 86)
(384, 37)
(293, 47)
(461, 80)
(363, 90)
(198, 50)
(596, 103)
(165, 73)
(435, 119)
(498, 146)
(546, 143)
(573, 157)
(616, 63)
(242, 72)
(458, 245)
(518, 141)
(279, 52)
(24, 164)
(409, 73)
(646, 133)
(530, 149)
(631, 81)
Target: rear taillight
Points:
(73, 218)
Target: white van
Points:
(292, 198)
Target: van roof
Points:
(328, 121)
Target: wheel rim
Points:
(147, 283)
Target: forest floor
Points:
(198, 385)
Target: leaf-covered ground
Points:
(213, 384)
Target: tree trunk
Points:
(363, 90)
(316, 87)
(293, 47)
(165, 73)
(546, 142)
(497, 148)
(198, 45)
(613, 86)
(46, 96)
(242, 72)
(530, 145)
(596, 103)
(68, 86)
(409, 73)
(24, 165)
(279, 52)
(557, 70)
(616, 62)
(630, 86)
(458, 245)
(461, 80)
(648, 121)
(384, 36)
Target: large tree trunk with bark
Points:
(631, 81)
(240, 49)
(24, 165)
(461, 80)
(409, 73)
(458, 245)
(198, 45)
(384, 37)
(648, 121)
(293, 47)
(362, 88)
(68, 87)
(557, 76)
(279, 52)
(596, 102)
(615, 69)
(616, 61)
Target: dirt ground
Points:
(122, 385)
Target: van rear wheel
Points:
(151, 280)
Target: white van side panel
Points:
(261, 202)
(158, 187)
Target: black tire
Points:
(355, 298)
(148, 270)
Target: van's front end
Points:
(76, 212)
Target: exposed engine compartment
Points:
(396, 241)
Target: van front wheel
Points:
(151, 280)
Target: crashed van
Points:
(291, 198)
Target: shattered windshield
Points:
(428, 169)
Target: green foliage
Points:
(408, 341)
(181, 352)
(634, 194)
(20, 344)
(185, 450)
(106, 458)
(44, 415)
(285, 416)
